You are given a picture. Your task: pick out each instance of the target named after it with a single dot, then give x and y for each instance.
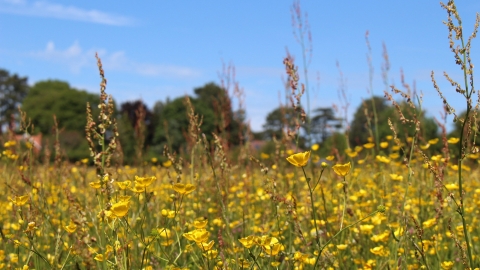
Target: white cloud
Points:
(76, 58)
(58, 11)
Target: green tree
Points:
(211, 102)
(279, 122)
(53, 97)
(360, 131)
(324, 123)
(13, 90)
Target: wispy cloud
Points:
(76, 58)
(58, 11)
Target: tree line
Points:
(148, 130)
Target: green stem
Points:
(317, 236)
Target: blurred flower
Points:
(315, 147)
(120, 209)
(342, 169)
(144, 181)
(183, 188)
(20, 200)
(198, 235)
(369, 145)
(71, 227)
(248, 241)
(453, 140)
(124, 184)
(167, 163)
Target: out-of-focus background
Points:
(156, 52)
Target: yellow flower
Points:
(164, 232)
(96, 184)
(342, 247)
(183, 188)
(124, 184)
(248, 241)
(206, 246)
(433, 141)
(144, 181)
(447, 265)
(384, 144)
(342, 169)
(20, 200)
(367, 228)
(71, 227)
(330, 158)
(264, 156)
(429, 223)
(98, 257)
(211, 254)
(382, 159)
(299, 159)
(138, 188)
(198, 235)
(120, 209)
(168, 213)
(315, 147)
(167, 163)
(369, 145)
(425, 147)
(377, 250)
(396, 177)
(31, 227)
(200, 223)
(453, 140)
(270, 245)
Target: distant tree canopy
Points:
(359, 129)
(211, 103)
(52, 97)
(278, 121)
(13, 90)
(324, 123)
(136, 129)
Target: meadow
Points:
(392, 203)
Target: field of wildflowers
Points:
(392, 203)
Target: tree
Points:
(323, 123)
(131, 133)
(53, 97)
(211, 103)
(360, 132)
(280, 121)
(13, 90)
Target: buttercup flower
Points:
(342, 169)
(120, 209)
(20, 200)
(183, 188)
(299, 159)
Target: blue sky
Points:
(152, 50)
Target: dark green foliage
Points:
(48, 98)
(13, 90)
(134, 131)
(278, 121)
(359, 130)
(211, 103)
